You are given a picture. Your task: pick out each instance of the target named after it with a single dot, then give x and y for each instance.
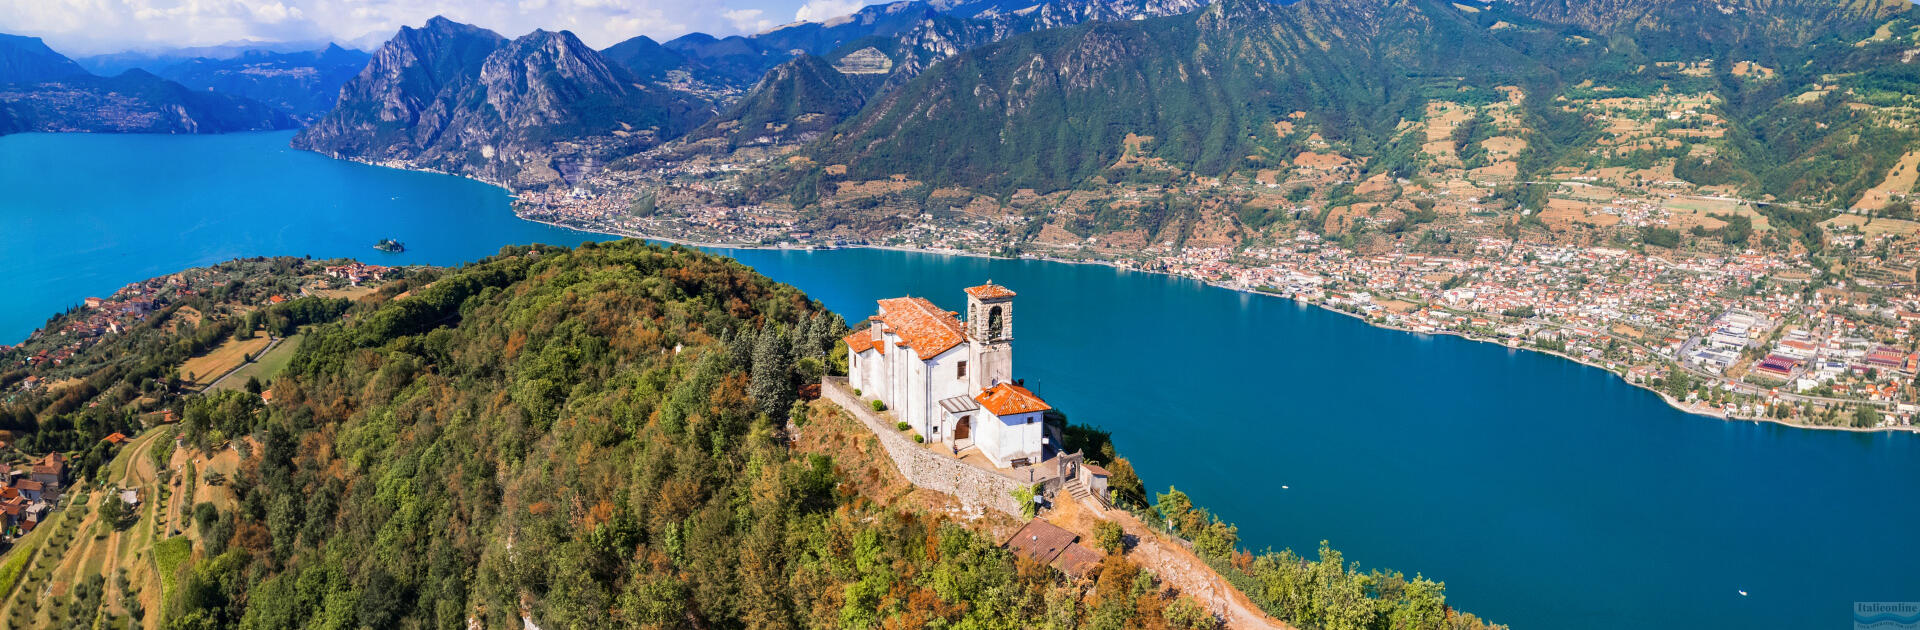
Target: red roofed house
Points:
(951, 380)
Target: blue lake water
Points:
(85, 214)
(1544, 493)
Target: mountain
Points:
(1051, 107)
(1693, 27)
(1217, 90)
(883, 46)
(155, 60)
(45, 91)
(738, 59)
(379, 113)
(305, 84)
(29, 60)
(534, 111)
(1019, 16)
(795, 102)
(543, 110)
(645, 58)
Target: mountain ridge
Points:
(532, 111)
(42, 90)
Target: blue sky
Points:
(83, 27)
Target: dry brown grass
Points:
(1876, 227)
(349, 292)
(1898, 182)
(203, 369)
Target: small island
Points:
(390, 246)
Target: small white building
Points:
(952, 381)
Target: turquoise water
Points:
(1544, 493)
(84, 214)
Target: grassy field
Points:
(264, 366)
(205, 368)
(353, 293)
(168, 555)
(1876, 227)
(16, 562)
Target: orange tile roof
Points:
(1007, 399)
(990, 291)
(862, 341)
(923, 326)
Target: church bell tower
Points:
(990, 334)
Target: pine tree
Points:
(772, 384)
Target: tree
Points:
(113, 512)
(1109, 536)
(1864, 416)
(772, 381)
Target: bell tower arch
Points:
(990, 334)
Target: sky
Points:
(88, 27)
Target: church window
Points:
(994, 323)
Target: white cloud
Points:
(823, 10)
(748, 20)
(82, 27)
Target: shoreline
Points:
(1676, 404)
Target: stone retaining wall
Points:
(975, 488)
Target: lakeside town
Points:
(190, 297)
(1754, 323)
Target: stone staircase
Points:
(1079, 491)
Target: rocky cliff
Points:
(531, 112)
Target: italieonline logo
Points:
(1886, 615)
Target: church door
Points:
(963, 429)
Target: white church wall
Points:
(1006, 439)
(941, 383)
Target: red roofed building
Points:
(1007, 399)
(951, 380)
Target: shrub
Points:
(1024, 495)
(901, 425)
(879, 406)
(1108, 535)
(856, 391)
(1187, 613)
(917, 439)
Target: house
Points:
(1097, 481)
(949, 380)
(30, 490)
(116, 438)
(50, 471)
(1046, 543)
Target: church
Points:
(952, 381)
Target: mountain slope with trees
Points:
(42, 90)
(1219, 90)
(609, 436)
(303, 84)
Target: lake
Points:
(1546, 494)
(85, 214)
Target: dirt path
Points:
(1178, 567)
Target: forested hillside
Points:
(1810, 93)
(612, 436)
(583, 439)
